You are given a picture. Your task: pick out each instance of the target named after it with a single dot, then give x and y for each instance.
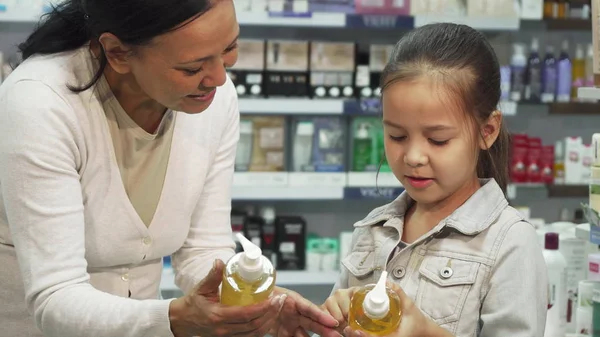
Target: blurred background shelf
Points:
(284, 279)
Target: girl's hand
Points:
(338, 304)
(299, 315)
(413, 324)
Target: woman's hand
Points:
(200, 313)
(338, 304)
(413, 324)
(299, 315)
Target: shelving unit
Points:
(346, 20)
(371, 106)
(284, 279)
(387, 188)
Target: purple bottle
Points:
(549, 76)
(564, 82)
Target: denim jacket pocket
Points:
(360, 266)
(443, 287)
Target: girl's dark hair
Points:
(463, 60)
(73, 23)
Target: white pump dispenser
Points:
(375, 309)
(377, 302)
(250, 264)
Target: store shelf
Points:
(568, 24)
(480, 23)
(284, 278)
(247, 193)
(292, 106)
(568, 191)
(322, 19)
(314, 186)
(307, 106)
(589, 93)
(372, 107)
(574, 108)
(309, 20)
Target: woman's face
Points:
(182, 69)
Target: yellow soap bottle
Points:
(249, 277)
(375, 309)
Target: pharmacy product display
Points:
(568, 161)
(319, 145)
(248, 71)
(375, 309)
(248, 277)
(368, 153)
(282, 238)
(262, 144)
(332, 69)
(549, 78)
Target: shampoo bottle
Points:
(549, 76)
(556, 316)
(518, 68)
(248, 278)
(563, 90)
(533, 89)
(375, 309)
(363, 148)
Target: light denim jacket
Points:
(479, 272)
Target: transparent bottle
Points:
(375, 309)
(249, 277)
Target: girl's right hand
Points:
(338, 305)
(200, 313)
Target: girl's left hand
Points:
(413, 324)
(299, 315)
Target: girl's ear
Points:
(490, 130)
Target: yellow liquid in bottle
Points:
(236, 291)
(358, 320)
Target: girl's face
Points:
(429, 144)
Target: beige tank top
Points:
(142, 157)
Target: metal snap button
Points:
(125, 277)
(399, 272)
(446, 272)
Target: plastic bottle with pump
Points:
(248, 278)
(375, 309)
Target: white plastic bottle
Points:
(556, 317)
(249, 277)
(303, 145)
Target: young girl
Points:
(466, 262)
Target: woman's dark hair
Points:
(73, 23)
(466, 64)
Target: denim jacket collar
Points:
(471, 218)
